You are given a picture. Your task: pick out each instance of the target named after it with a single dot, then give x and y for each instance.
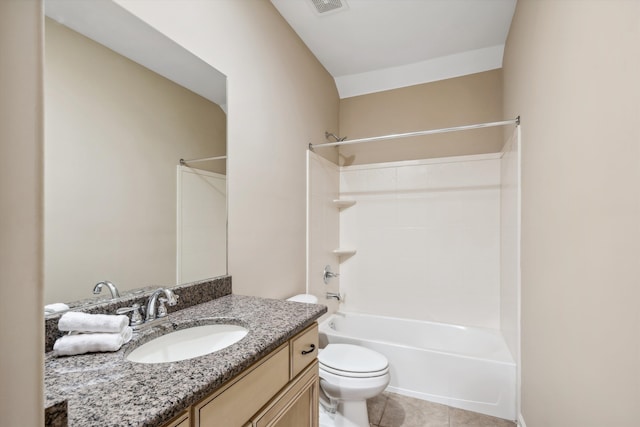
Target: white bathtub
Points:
(464, 367)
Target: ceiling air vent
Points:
(324, 6)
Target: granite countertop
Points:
(104, 389)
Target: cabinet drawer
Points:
(304, 349)
(236, 403)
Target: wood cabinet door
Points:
(236, 403)
(296, 405)
(182, 420)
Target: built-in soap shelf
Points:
(342, 204)
(344, 253)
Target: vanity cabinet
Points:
(295, 406)
(280, 390)
(182, 420)
(235, 403)
(303, 349)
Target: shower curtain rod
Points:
(515, 121)
(184, 162)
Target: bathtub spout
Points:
(333, 295)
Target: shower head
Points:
(337, 138)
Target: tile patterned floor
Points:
(394, 410)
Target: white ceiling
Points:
(374, 45)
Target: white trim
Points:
(445, 67)
(178, 222)
(307, 223)
(520, 421)
(439, 160)
(519, 278)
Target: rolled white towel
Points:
(55, 308)
(84, 322)
(79, 343)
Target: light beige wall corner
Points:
(21, 314)
(472, 99)
(571, 71)
(280, 100)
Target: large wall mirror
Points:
(123, 105)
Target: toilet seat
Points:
(352, 361)
(348, 374)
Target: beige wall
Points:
(571, 69)
(21, 315)
(280, 100)
(114, 133)
(472, 99)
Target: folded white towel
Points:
(79, 343)
(84, 322)
(55, 308)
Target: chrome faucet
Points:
(334, 295)
(111, 286)
(327, 274)
(161, 311)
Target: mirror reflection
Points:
(119, 206)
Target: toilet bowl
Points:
(349, 375)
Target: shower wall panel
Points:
(427, 235)
(510, 243)
(322, 227)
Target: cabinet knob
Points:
(312, 348)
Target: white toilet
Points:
(349, 375)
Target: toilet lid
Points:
(352, 358)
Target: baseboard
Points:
(521, 422)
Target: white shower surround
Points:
(427, 235)
(466, 200)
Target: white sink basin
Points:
(187, 343)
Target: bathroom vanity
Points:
(286, 379)
(270, 377)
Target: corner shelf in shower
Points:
(342, 204)
(344, 253)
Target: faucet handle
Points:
(328, 274)
(172, 297)
(136, 316)
(162, 309)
